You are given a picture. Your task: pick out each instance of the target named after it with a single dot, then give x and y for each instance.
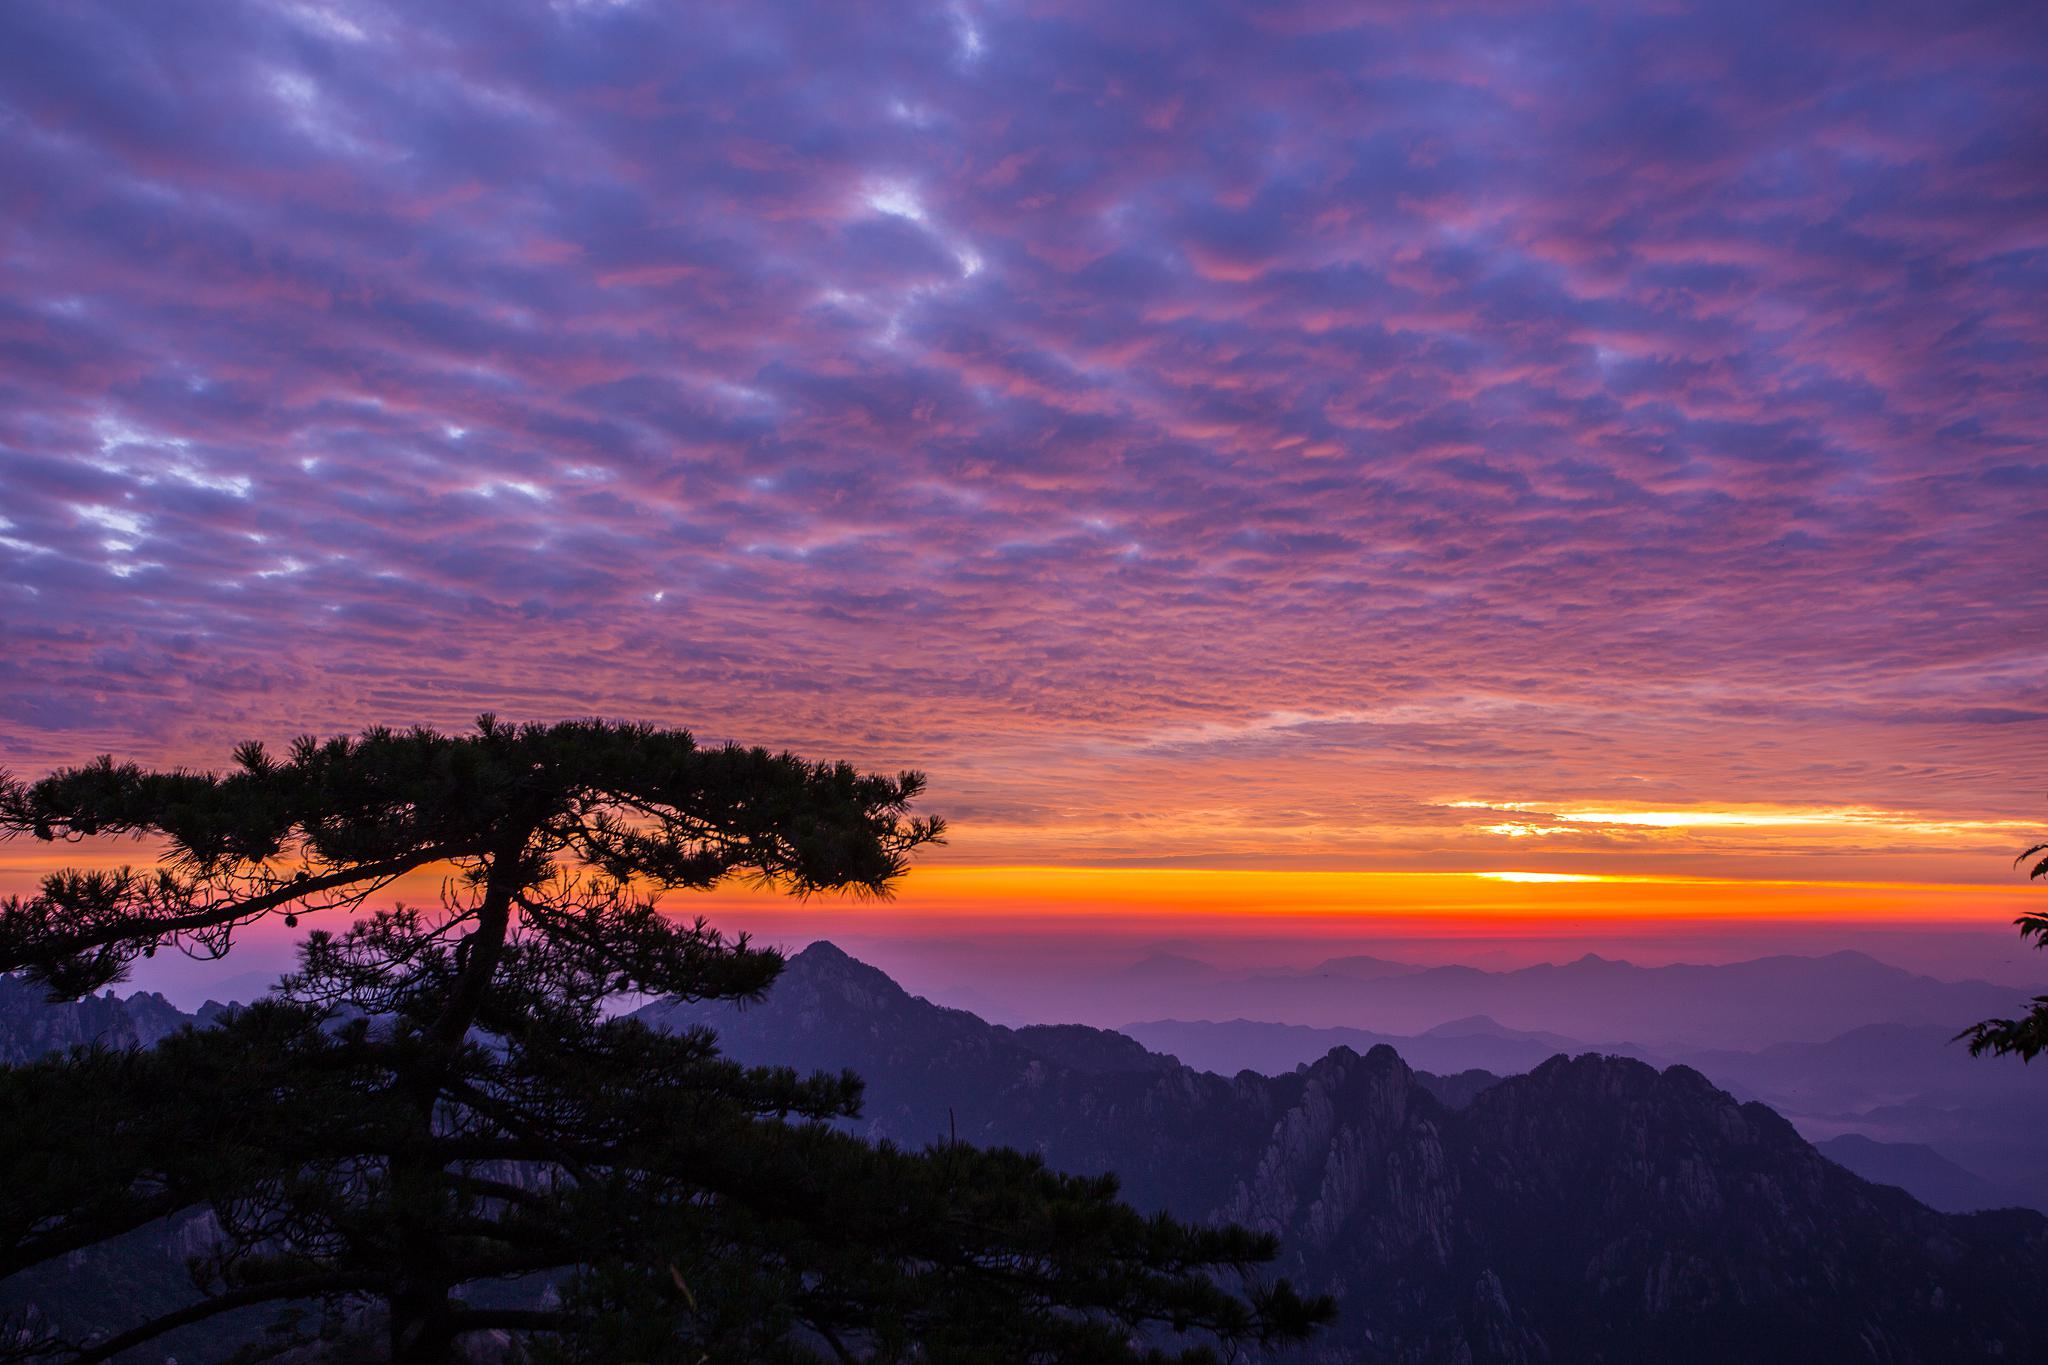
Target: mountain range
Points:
(1596, 1208)
(1686, 1006)
(30, 1026)
(1894, 1085)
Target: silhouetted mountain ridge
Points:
(1234, 1045)
(1743, 1005)
(1898, 1083)
(1914, 1167)
(31, 1025)
(1594, 1209)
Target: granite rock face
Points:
(31, 1026)
(1600, 1210)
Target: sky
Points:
(1272, 441)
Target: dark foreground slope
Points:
(1595, 1209)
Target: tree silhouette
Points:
(2027, 1035)
(439, 1104)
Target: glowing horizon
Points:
(1257, 894)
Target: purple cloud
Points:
(1529, 405)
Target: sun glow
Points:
(1057, 902)
(1548, 819)
(1543, 877)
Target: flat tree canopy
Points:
(437, 1125)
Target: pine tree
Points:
(2026, 1036)
(440, 1113)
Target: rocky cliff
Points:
(1595, 1209)
(31, 1026)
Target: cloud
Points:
(1165, 423)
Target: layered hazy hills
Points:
(1916, 1168)
(1595, 1208)
(1742, 1005)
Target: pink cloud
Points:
(1543, 404)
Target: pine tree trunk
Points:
(422, 1318)
(420, 1325)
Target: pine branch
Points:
(305, 1287)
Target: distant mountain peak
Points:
(824, 965)
(825, 961)
(1380, 1067)
(1171, 966)
(1467, 1026)
(1590, 1074)
(1364, 967)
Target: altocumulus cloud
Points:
(1578, 405)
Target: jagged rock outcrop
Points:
(1596, 1209)
(1600, 1210)
(31, 1026)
